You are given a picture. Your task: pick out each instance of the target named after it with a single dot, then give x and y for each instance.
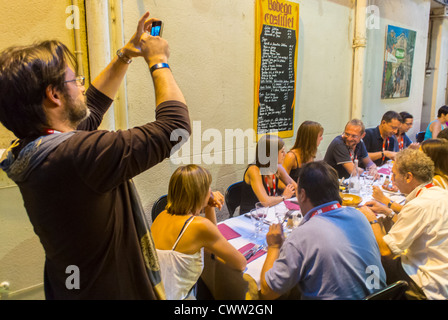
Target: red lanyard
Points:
(429, 185)
(400, 143)
(384, 147)
(325, 209)
(273, 185)
(50, 131)
(353, 157)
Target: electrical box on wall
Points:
(444, 2)
(440, 11)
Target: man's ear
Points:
(53, 97)
(409, 177)
(301, 194)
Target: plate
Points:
(350, 200)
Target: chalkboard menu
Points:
(276, 69)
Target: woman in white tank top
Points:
(180, 234)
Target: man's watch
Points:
(391, 214)
(123, 57)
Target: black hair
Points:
(390, 115)
(320, 182)
(442, 110)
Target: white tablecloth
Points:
(243, 225)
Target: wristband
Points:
(373, 221)
(389, 205)
(122, 57)
(159, 66)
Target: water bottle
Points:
(354, 185)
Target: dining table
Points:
(225, 283)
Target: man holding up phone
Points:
(74, 179)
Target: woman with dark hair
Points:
(263, 180)
(438, 124)
(309, 136)
(437, 150)
(180, 234)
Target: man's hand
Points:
(368, 213)
(275, 237)
(134, 47)
(390, 154)
(376, 207)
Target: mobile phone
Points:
(156, 29)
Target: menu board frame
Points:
(276, 16)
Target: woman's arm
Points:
(256, 182)
(284, 177)
(215, 243)
(436, 128)
(290, 162)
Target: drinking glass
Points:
(296, 219)
(262, 212)
(280, 213)
(366, 187)
(256, 222)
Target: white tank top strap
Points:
(186, 224)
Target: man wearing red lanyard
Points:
(402, 140)
(345, 148)
(416, 247)
(378, 140)
(327, 255)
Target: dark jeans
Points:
(394, 272)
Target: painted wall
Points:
(435, 93)
(413, 15)
(212, 57)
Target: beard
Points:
(76, 110)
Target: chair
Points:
(233, 197)
(158, 206)
(394, 291)
(420, 136)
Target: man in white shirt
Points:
(416, 247)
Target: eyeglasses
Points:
(80, 81)
(348, 135)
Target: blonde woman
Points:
(180, 234)
(309, 136)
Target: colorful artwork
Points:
(398, 60)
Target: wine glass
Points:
(262, 212)
(280, 213)
(257, 223)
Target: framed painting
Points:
(398, 61)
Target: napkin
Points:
(228, 232)
(385, 171)
(249, 246)
(291, 205)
